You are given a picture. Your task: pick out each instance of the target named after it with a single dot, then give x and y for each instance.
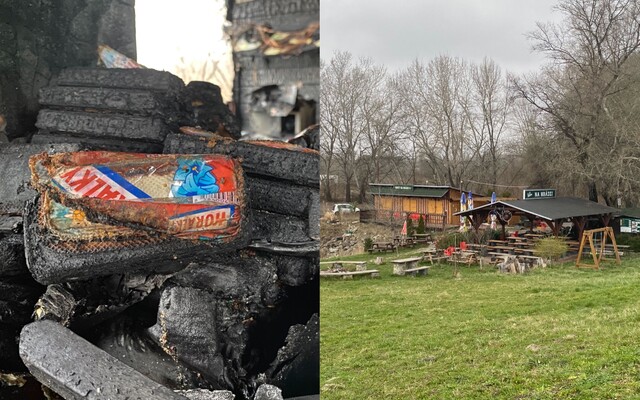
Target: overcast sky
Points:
(393, 33)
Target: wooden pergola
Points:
(553, 211)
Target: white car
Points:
(344, 208)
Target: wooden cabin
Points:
(436, 204)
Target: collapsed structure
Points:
(192, 257)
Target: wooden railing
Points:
(432, 221)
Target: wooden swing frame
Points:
(597, 257)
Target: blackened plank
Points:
(76, 369)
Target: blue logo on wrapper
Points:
(193, 178)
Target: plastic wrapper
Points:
(187, 196)
(114, 59)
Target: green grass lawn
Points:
(553, 333)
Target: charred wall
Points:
(255, 70)
(40, 38)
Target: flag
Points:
(463, 207)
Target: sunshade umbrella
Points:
(403, 232)
(493, 197)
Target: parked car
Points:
(344, 208)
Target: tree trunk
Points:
(593, 191)
(347, 190)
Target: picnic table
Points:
(464, 257)
(382, 246)
(432, 255)
(402, 265)
(422, 237)
(403, 241)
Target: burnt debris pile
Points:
(147, 250)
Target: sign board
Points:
(629, 225)
(403, 187)
(536, 194)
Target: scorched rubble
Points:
(191, 319)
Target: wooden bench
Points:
(417, 271)
(401, 265)
(373, 273)
(505, 249)
(360, 265)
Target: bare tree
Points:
(590, 52)
(489, 113)
(349, 101)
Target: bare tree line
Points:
(574, 125)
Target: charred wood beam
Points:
(126, 101)
(300, 167)
(51, 260)
(12, 260)
(94, 143)
(143, 79)
(14, 169)
(100, 125)
(78, 370)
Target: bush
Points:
(368, 244)
(629, 239)
(484, 236)
(421, 229)
(453, 239)
(551, 248)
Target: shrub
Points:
(453, 239)
(551, 248)
(368, 244)
(629, 239)
(421, 229)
